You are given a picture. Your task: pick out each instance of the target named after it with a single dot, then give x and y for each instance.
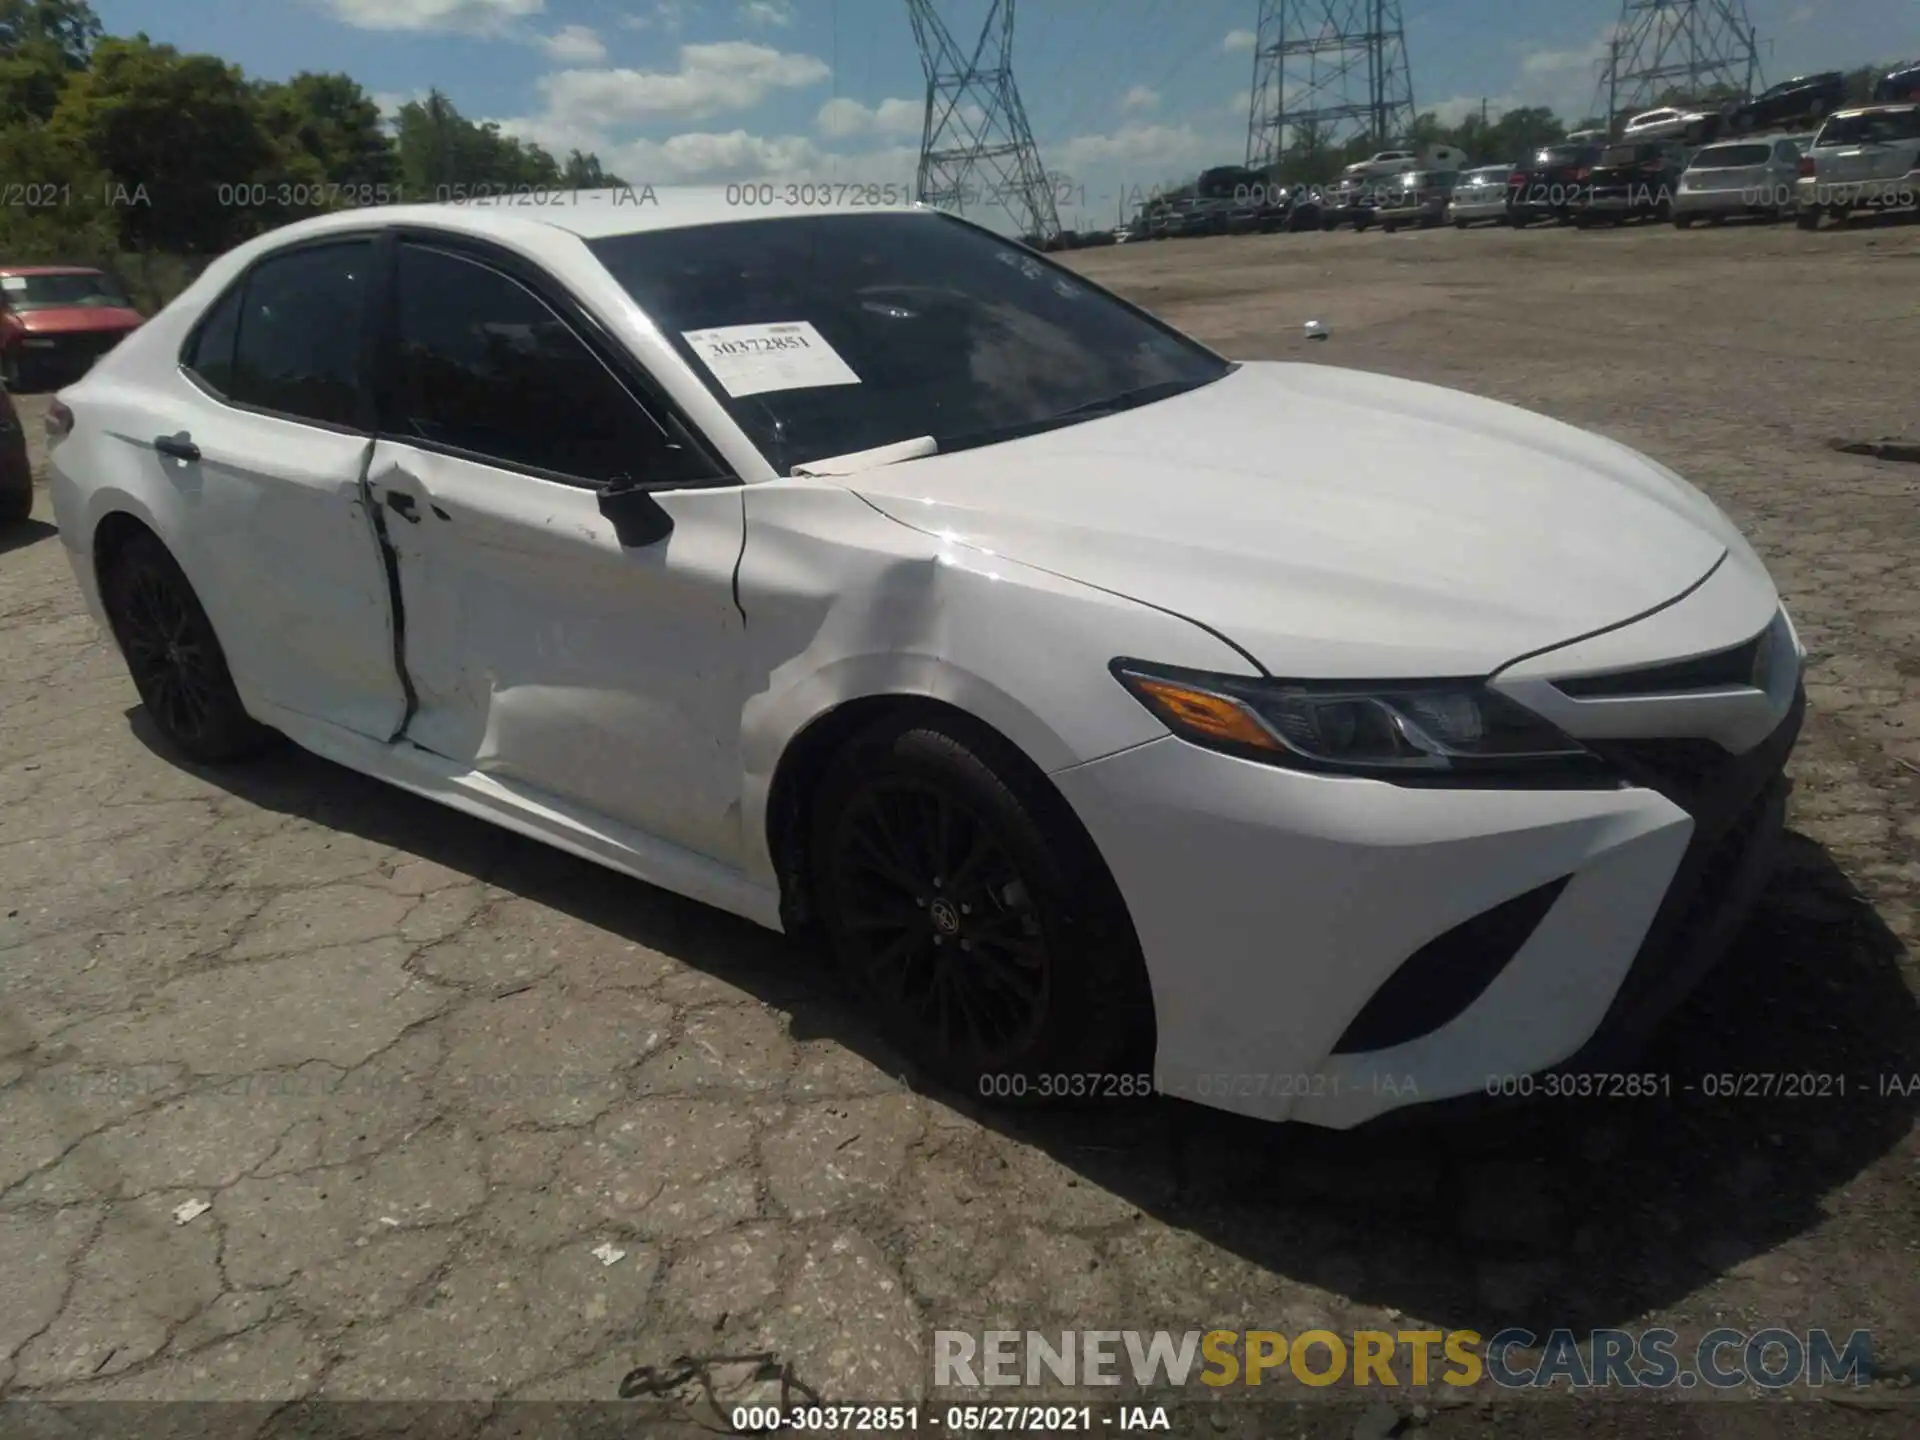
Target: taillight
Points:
(1518, 177)
(1582, 173)
(1806, 167)
(59, 422)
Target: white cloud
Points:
(712, 79)
(1239, 40)
(777, 13)
(1145, 151)
(1140, 97)
(473, 17)
(1563, 79)
(840, 118)
(575, 45)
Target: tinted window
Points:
(299, 346)
(211, 355)
(908, 324)
(1728, 157)
(485, 367)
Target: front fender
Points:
(844, 604)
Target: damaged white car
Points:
(1297, 740)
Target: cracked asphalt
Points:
(419, 1071)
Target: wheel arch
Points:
(804, 761)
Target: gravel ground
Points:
(419, 1069)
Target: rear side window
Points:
(486, 368)
(298, 350)
(1729, 157)
(210, 353)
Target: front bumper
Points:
(1273, 906)
(1478, 209)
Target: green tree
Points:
(179, 137)
(70, 26)
(331, 121)
(443, 152)
(58, 211)
(584, 171)
(33, 72)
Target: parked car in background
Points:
(1865, 159)
(16, 468)
(1550, 185)
(1634, 180)
(1668, 123)
(1801, 100)
(56, 320)
(1898, 85)
(1417, 198)
(1480, 197)
(1738, 177)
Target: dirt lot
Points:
(420, 1069)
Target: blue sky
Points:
(1122, 96)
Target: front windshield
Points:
(825, 335)
(47, 292)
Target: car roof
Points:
(595, 214)
(1873, 110)
(50, 270)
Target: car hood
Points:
(70, 319)
(1333, 523)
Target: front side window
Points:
(485, 367)
(823, 335)
(298, 348)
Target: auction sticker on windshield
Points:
(13, 282)
(753, 359)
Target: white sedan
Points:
(1113, 715)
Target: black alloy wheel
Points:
(174, 656)
(970, 913)
(940, 922)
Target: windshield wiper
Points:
(855, 461)
(1125, 400)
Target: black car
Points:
(1899, 86)
(1635, 181)
(1551, 185)
(1420, 199)
(1801, 100)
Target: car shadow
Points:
(1562, 1213)
(27, 532)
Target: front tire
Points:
(966, 905)
(174, 656)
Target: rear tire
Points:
(968, 908)
(1807, 219)
(1459, 224)
(16, 505)
(174, 656)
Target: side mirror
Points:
(638, 519)
(1315, 330)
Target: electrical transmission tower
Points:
(976, 146)
(1685, 46)
(1326, 72)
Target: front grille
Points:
(1720, 670)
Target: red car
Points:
(56, 320)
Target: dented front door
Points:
(543, 654)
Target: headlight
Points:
(1364, 728)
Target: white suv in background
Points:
(1865, 159)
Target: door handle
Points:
(180, 447)
(403, 505)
